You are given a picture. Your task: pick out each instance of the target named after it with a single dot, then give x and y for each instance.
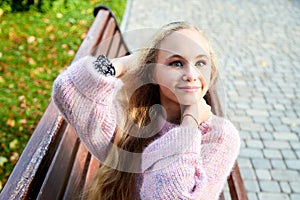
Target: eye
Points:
(200, 63)
(176, 64)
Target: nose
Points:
(190, 74)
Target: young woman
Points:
(145, 118)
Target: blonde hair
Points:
(134, 133)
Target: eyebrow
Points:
(179, 56)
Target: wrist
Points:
(189, 120)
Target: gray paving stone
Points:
(255, 144)
(272, 196)
(285, 175)
(252, 127)
(263, 174)
(281, 128)
(279, 107)
(269, 186)
(295, 145)
(244, 162)
(275, 113)
(293, 164)
(266, 135)
(288, 154)
(260, 163)
(251, 153)
(285, 136)
(261, 120)
(277, 144)
(298, 153)
(248, 173)
(261, 113)
(255, 135)
(272, 153)
(295, 185)
(251, 186)
(251, 196)
(295, 196)
(243, 144)
(268, 128)
(275, 120)
(278, 164)
(245, 135)
(285, 187)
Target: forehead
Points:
(185, 41)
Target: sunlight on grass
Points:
(34, 48)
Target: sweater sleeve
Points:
(183, 164)
(220, 148)
(86, 99)
(172, 166)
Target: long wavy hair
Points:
(116, 180)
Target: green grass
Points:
(34, 48)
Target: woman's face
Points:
(183, 67)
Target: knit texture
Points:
(182, 163)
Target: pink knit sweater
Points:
(183, 163)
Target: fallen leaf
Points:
(31, 61)
(71, 53)
(49, 28)
(23, 121)
(46, 20)
(11, 122)
(59, 15)
(21, 98)
(3, 160)
(14, 157)
(64, 46)
(30, 39)
(83, 35)
(13, 144)
(82, 22)
(21, 47)
(264, 64)
(52, 37)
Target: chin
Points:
(188, 101)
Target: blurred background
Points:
(38, 39)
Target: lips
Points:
(190, 88)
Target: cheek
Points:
(164, 77)
(206, 74)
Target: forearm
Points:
(86, 100)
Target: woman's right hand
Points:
(201, 112)
(122, 63)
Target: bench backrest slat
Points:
(77, 178)
(59, 171)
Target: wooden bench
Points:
(55, 164)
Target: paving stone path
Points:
(258, 46)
